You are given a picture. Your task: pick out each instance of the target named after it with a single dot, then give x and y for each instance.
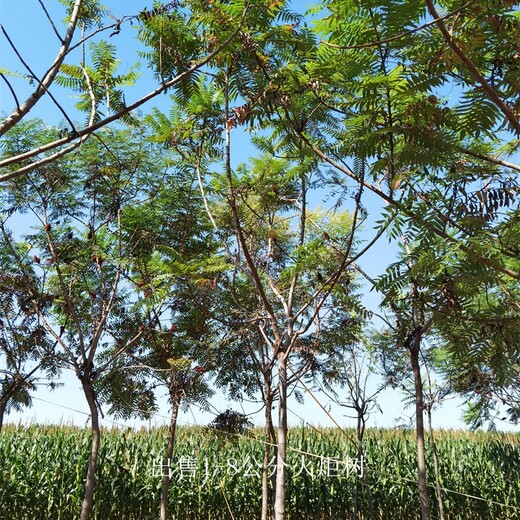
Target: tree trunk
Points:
(371, 513)
(267, 453)
(169, 453)
(88, 497)
(438, 489)
(361, 425)
(279, 503)
(3, 407)
(419, 426)
(359, 450)
(273, 475)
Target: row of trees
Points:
(155, 262)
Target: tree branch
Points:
(11, 89)
(488, 158)
(473, 70)
(46, 82)
(33, 76)
(399, 36)
(51, 22)
(411, 214)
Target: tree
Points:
(292, 258)
(193, 130)
(231, 422)
(436, 299)
(409, 293)
(79, 296)
(172, 265)
(480, 343)
(292, 269)
(352, 107)
(352, 374)
(369, 102)
(247, 367)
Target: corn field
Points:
(218, 477)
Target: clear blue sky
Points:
(26, 24)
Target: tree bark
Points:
(361, 425)
(281, 457)
(88, 497)
(419, 427)
(438, 489)
(359, 431)
(267, 453)
(169, 452)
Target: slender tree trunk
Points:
(371, 513)
(359, 450)
(275, 455)
(361, 456)
(419, 426)
(267, 453)
(279, 503)
(3, 406)
(169, 453)
(438, 489)
(90, 483)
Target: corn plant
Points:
(41, 474)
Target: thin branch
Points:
(48, 159)
(34, 298)
(346, 262)
(303, 216)
(488, 158)
(473, 70)
(11, 89)
(73, 146)
(126, 347)
(361, 252)
(204, 196)
(399, 36)
(84, 39)
(318, 402)
(71, 357)
(240, 232)
(51, 21)
(106, 307)
(69, 303)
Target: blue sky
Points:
(30, 31)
